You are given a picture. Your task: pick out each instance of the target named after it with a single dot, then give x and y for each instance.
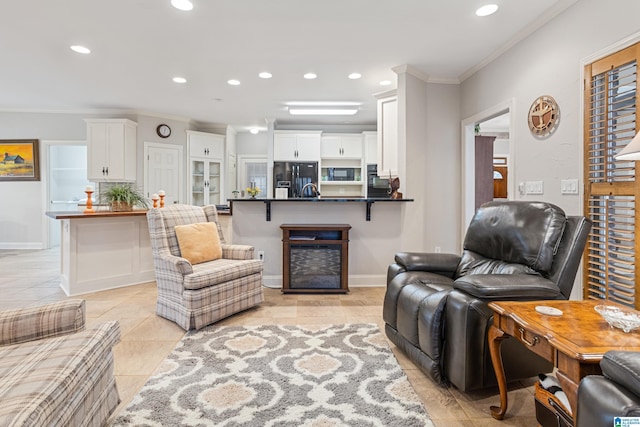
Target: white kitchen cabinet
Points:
(111, 150)
(206, 151)
(205, 145)
(341, 146)
(388, 134)
(296, 146)
(205, 181)
(370, 147)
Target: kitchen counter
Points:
(105, 214)
(103, 250)
(369, 202)
(97, 214)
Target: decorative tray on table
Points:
(625, 319)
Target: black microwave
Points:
(341, 174)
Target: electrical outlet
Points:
(261, 255)
(438, 250)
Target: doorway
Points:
(66, 176)
(495, 121)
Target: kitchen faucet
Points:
(314, 188)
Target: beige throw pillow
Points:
(199, 242)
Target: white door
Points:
(232, 178)
(163, 168)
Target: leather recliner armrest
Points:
(622, 367)
(445, 264)
(508, 287)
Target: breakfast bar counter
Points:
(369, 201)
(375, 236)
(103, 250)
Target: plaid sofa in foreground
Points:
(53, 372)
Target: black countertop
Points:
(369, 201)
(325, 199)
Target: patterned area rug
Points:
(341, 375)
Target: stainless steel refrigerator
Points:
(294, 176)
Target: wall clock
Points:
(543, 115)
(163, 131)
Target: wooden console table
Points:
(574, 341)
(315, 258)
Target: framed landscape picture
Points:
(19, 160)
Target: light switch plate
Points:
(569, 186)
(534, 187)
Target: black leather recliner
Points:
(435, 307)
(616, 393)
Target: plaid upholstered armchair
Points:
(200, 278)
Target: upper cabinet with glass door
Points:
(206, 151)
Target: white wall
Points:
(21, 215)
(549, 63)
(249, 144)
(442, 207)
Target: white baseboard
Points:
(21, 245)
(356, 280)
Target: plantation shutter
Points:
(612, 192)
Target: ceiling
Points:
(138, 46)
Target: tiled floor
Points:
(31, 277)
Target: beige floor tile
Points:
(126, 325)
(508, 421)
(154, 328)
(283, 311)
(476, 404)
(320, 320)
(140, 357)
(449, 423)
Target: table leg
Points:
(495, 339)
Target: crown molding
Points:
(410, 69)
(543, 19)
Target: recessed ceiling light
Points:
(355, 76)
(385, 83)
(80, 49)
(487, 9)
(233, 82)
(310, 76)
(179, 80)
(182, 4)
(323, 104)
(322, 111)
(254, 131)
(265, 75)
